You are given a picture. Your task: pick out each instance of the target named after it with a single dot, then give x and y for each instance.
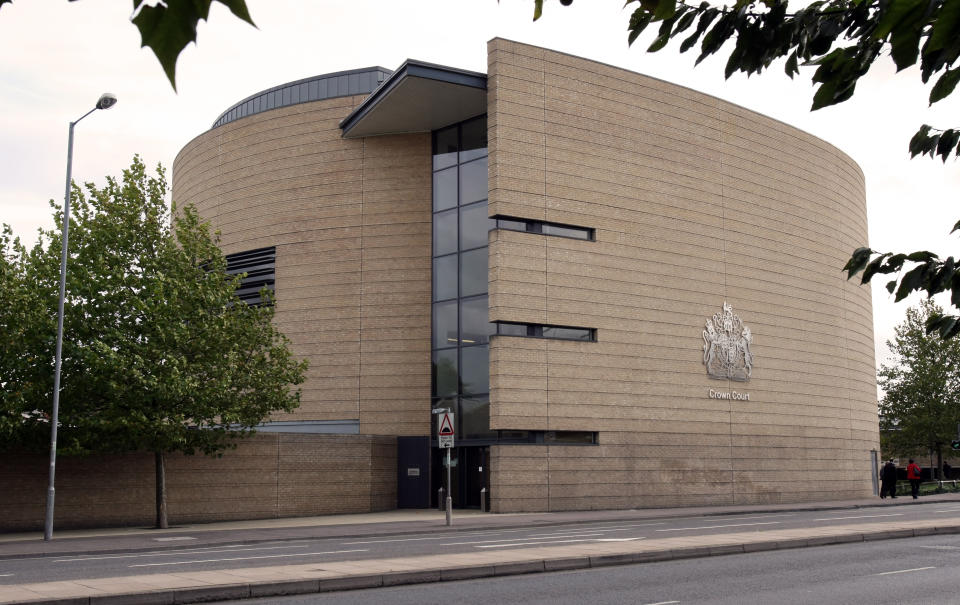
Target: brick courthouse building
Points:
(629, 292)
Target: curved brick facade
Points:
(350, 220)
(695, 202)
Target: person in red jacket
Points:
(913, 476)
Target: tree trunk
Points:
(161, 492)
(939, 462)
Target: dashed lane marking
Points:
(532, 543)
(888, 573)
(618, 539)
(425, 538)
(537, 540)
(299, 554)
(177, 553)
(859, 517)
(173, 539)
(719, 526)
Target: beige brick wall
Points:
(695, 201)
(269, 475)
(351, 223)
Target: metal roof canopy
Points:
(418, 97)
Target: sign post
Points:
(445, 434)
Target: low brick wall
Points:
(268, 475)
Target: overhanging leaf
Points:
(896, 14)
(946, 27)
(921, 257)
(914, 280)
(167, 28)
(918, 141)
(872, 268)
(858, 260)
(945, 85)
(791, 68)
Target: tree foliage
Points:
(841, 40)
(167, 27)
(921, 403)
(158, 353)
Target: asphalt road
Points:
(294, 551)
(913, 571)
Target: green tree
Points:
(168, 26)
(841, 39)
(26, 331)
(920, 408)
(159, 354)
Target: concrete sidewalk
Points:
(290, 579)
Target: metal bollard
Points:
(483, 500)
(441, 501)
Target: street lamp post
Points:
(106, 101)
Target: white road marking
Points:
(531, 543)
(383, 540)
(663, 603)
(948, 510)
(621, 526)
(887, 573)
(599, 529)
(765, 516)
(5, 575)
(396, 540)
(502, 541)
(734, 517)
(564, 534)
(859, 517)
(617, 539)
(173, 539)
(299, 554)
(718, 526)
(177, 553)
(591, 527)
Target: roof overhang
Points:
(418, 97)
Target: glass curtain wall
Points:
(461, 330)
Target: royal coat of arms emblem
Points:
(726, 347)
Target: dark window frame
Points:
(537, 331)
(520, 436)
(535, 226)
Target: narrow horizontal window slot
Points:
(509, 328)
(545, 228)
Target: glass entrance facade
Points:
(461, 330)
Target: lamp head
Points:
(106, 100)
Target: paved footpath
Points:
(199, 586)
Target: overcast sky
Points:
(57, 57)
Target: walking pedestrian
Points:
(913, 476)
(888, 479)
